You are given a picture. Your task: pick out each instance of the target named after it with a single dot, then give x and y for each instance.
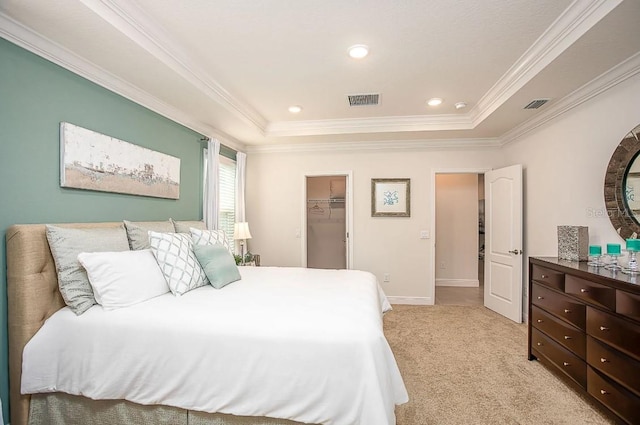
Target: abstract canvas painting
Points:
(94, 161)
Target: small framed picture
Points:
(390, 198)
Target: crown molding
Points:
(616, 75)
(128, 18)
(385, 145)
(28, 39)
(369, 125)
(574, 22)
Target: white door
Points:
(503, 242)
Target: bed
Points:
(351, 376)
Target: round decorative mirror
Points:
(622, 186)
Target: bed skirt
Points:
(65, 409)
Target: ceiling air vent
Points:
(363, 99)
(536, 103)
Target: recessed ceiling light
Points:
(358, 51)
(295, 109)
(460, 105)
(434, 101)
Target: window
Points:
(227, 193)
(227, 213)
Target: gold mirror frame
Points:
(618, 211)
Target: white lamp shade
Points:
(241, 231)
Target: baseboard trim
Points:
(411, 300)
(467, 283)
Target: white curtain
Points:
(212, 187)
(241, 161)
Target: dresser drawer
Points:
(566, 361)
(628, 304)
(590, 292)
(548, 277)
(622, 368)
(565, 334)
(615, 397)
(559, 304)
(616, 332)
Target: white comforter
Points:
(293, 343)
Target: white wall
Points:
(564, 167)
(275, 191)
(457, 230)
(565, 163)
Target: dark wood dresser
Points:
(584, 324)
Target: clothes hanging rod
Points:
(326, 200)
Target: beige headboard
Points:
(33, 296)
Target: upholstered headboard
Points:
(33, 296)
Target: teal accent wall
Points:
(35, 96)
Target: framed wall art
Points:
(390, 197)
(93, 161)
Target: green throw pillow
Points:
(218, 264)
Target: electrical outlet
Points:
(443, 265)
(298, 233)
(387, 277)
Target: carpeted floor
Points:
(468, 365)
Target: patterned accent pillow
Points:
(210, 237)
(65, 245)
(184, 226)
(179, 265)
(138, 232)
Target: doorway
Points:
(459, 248)
(327, 221)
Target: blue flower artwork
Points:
(390, 197)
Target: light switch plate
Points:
(424, 234)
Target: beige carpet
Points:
(468, 365)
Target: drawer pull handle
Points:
(567, 337)
(584, 290)
(604, 392)
(604, 328)
(544, 276)
(541, 298)
(565, 364)
(539, 320)
(566, 310)
(603, 360)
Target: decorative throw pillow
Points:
(175, 256)
(210, 237)
(184, 226)
(66, 244)
(138, 232)
(121, 279)
(218, 264)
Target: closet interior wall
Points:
(326, 222)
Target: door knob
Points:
(516, 251)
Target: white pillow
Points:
(121, 279)
(210, 237)
(177, 261)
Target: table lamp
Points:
(241, 233)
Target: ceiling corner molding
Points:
(616, 75)
(384, 145)
(369, 125)
(33, 42)
(575, 21)
(128, 18)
